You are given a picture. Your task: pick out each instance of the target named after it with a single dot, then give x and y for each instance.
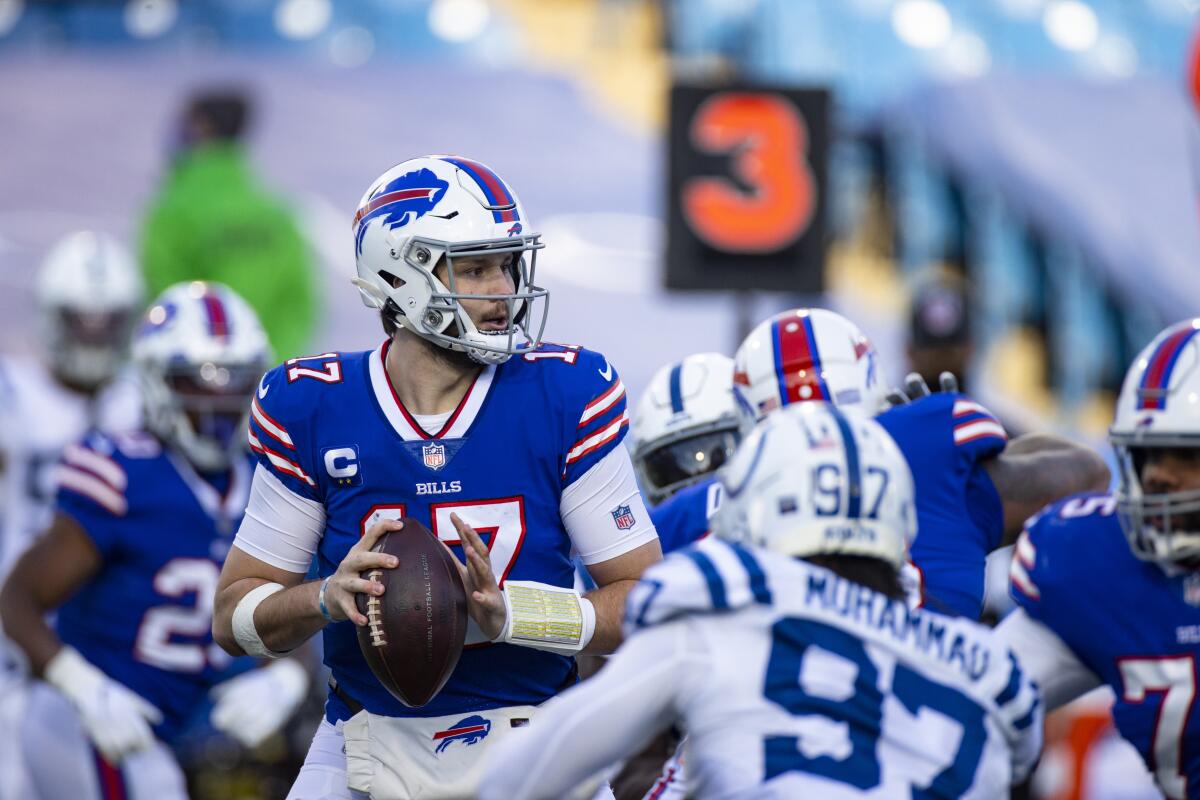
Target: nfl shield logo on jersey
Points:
(434, 455)
(623, 517)
(1191, 590)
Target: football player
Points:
(465, 420)
(130, 563)
(1108, 586)
(973, 487)
(88, 292)
(785, 647)
(684, 428)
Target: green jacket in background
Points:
(211, 221)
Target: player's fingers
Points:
(355, 563)
(350, 609)
(915, 386)
(469, 536)
(360, 586)
(948, 381)
(480, 568)
(897, 398)
(377, 530)
(459, 565)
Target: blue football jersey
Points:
(1130, 622)
(145, 619)
(960, 518)
(332, 429)
(683, 518)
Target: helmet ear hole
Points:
(395, 281)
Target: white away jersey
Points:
(790, 682)
(39, 419)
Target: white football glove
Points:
(116, 719)
(257, 703)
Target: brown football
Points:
(416, 628)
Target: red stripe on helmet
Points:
(218, 321)
(799, 366)
(1158, 373)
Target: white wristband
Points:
(243, 621)
(547, 617)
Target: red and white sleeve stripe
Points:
(92, 487)
(982, 424)
(1024, 557)
(270, 426)
(101, 466)
(598, 439)
(602, 403)
(279, 461)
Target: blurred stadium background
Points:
(1045, 151)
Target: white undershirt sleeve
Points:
(616, 713)
(1046, 659)
(280, 527)
(588, 505)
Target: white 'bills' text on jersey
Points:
(792, 682)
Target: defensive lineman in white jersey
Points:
(784, 648)
(88, 293)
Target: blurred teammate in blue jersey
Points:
(784, 646)
(464, 420)
(973, 487)
(1108, 586)
(685, 427)
(130, 563)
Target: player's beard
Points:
(444, 356)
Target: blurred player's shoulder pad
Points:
(711, 576)
(1059, 547)
(955, 418)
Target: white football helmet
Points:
(806, 354)
(1159, 407)
(89, 291)
(200, 352)
(685, 425)
(428, 209)
(813, 480)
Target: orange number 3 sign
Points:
(767, 139)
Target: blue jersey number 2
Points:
(863, 711)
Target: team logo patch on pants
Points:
(469, 731)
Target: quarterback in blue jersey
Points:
(973, 487)
(1108, 586)
(465, 421)
(131, 561)
(785, 648)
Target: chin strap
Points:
(547, 617)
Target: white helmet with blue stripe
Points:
(812, 480)
(685, 425)
(426, 212)
(806, 354)
(199, 353)
(1159, 408)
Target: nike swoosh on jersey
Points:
(263, 388)
(606, 373)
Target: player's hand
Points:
(254, 705)
(485, 600)
(345, 583)
(915, 388)
(116, 719)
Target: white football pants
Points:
(60, 761)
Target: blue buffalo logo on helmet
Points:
(469, 731)
(399, 202)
